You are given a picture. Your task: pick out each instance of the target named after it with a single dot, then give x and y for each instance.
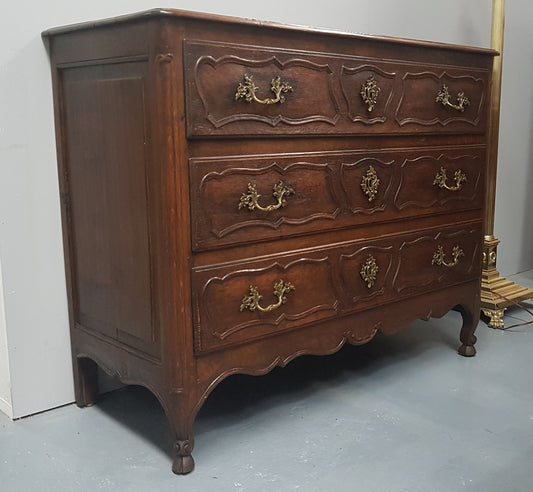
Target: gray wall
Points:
(33, 316)
(514, 193)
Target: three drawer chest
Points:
(237, 193)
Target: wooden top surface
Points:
(200, 16)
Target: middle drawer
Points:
(265, 197)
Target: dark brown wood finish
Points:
(197, 225)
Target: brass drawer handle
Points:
(250, 200)
(251, 302)
(441, 178)
(444, 98)
(439, 260)
(247, 91)
(370, 183)
(369, 271)
(370, 92)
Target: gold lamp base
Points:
(497, 293)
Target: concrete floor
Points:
(402, 413)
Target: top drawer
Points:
(237, 90)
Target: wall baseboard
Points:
(6, 408)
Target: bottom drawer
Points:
(243, 301)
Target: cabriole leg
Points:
(180, 413)
(467, 337)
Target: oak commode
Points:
(238, 193)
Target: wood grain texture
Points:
(155, 153)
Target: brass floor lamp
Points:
(497, 293)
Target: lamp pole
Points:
(497, 293)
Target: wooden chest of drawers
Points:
(236, 194)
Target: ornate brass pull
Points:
(444, 98)
(370, 183)
(247, 91)
(250, 200)
(439, 260)
(251, 302)
(441, 178)
(370, 92)
(369, 271)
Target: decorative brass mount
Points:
(370, 92)
(441, 180)
(439, 257)
(444, 98)
(247, 91)
(251, 302)
(250, 200)
(370, 183)
(369, 271)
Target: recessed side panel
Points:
(107, 144)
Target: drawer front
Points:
(238, 199)
(387, 269)
(438, 259)
(237, 90)
(254, 299)
(440, 99)
(241, 90)
(438, 182)
(248, 300)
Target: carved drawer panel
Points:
(407, 264)
(435, 260)
(249, 300)
(397, 97)
(240, 302)
(267, 196)
(367, 180)
(396, 184)
(240, 90)
(366, 272)
(432, 181)
(264, 196)
(443, 100)
(368, 89)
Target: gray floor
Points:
(403, 413)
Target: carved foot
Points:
(496, 317)
(467, 350)
(184, 462)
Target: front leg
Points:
(467, 337)
(181, 412)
